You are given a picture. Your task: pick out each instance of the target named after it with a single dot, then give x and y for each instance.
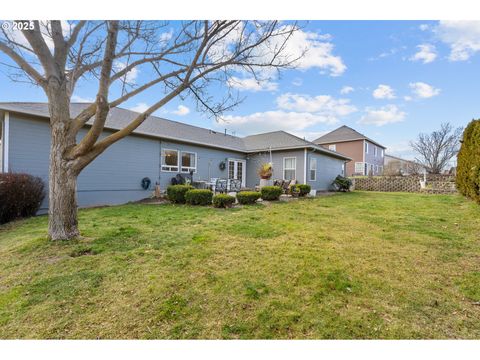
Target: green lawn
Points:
(355, 265)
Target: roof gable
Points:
(343, 133)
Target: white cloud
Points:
(426, 53)
(346, 90)
(251, 84)
(424, 27)
(321, 104)
(297, 82)
(388, 114)
(80, 99)
(313, 50)
(131, 76)
(423, 90)
(407, 98)
(182, 110)
(308, 135)
(383, 92)
(463, 38)
(165, 36)
(273, 120)
(296, 113)
(140, 107)
(319, 52)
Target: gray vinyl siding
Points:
(112, 178)
(327, 170)
(208, 161)
(370, 158)
(257, 159)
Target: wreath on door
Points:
(222, 165)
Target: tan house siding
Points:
(353, 149)
(356, 150)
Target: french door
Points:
(236, 170)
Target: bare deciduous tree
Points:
(185, 60)
(438, 148)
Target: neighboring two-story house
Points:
(367, 155)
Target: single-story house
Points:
(160, 149)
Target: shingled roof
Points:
(342, 134)
(173, 130)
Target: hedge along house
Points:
(159, 149)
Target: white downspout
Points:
(6, 132)
(305, 166)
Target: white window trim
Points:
(332, 147)
(363, 167)
(294, 169)
(310, 170)
(194, 168)
(375, 151)
(5, 142)
(366, 147)
(162, 155)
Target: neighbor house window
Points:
(170, 160)
(375, 151)
(359, 168)
(289, 168)
(381, 152)
(313, 169)
(366, 147)
(332, 147)
(189, 161)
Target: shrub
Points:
(248, 197)
(342, 183)
(271, 192)
(223, 201)
(20, 196)
(301, 189)
(199, 197)
(468, 162)
(176, 193)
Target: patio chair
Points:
(285, 186)
(221, 186)
(235, 185)
(290, 184)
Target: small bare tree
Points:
(438, 148)
(183, 59)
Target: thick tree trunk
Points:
(62, 211)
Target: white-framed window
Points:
(313, 169)
(381, 153)
(366, 147)
(332, 147)
(365, 172)
(375, 150)
(289, 168)
(359, 168)
(189, 161)
(380, 169)
(170, 160)
(376, 169)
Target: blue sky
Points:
(387, 79)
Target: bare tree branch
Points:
(438, 148)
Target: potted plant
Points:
(265, 172)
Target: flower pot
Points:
(265, 182)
